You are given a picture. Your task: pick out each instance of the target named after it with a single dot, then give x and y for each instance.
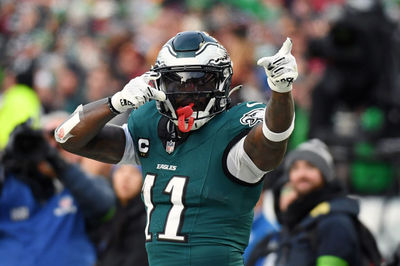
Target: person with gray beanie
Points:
(315, 152)
(320, 227)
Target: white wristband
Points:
(116, 103)
(276, 137)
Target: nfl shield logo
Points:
(170, 146)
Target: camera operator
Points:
(47, 204)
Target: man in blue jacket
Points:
(318, 227)
(46, 205)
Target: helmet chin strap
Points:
(184, 113)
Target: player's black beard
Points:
(301, 207)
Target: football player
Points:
(203, 160)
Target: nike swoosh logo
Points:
(253, 104)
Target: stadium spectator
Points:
(320, 207)
(46, 204)
(121, 241)
(18, 103)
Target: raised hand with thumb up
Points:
(280, 68)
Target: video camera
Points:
(26, 148)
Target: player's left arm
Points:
(266, 143)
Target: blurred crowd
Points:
(74, 52)
(57, 54)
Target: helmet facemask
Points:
(195, 92)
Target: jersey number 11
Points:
(176, 188)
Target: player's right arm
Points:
(86, 131)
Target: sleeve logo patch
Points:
(252, 117)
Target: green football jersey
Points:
(197, 213)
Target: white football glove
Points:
(137, 92)
(281, 68)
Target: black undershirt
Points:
(168, 131)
